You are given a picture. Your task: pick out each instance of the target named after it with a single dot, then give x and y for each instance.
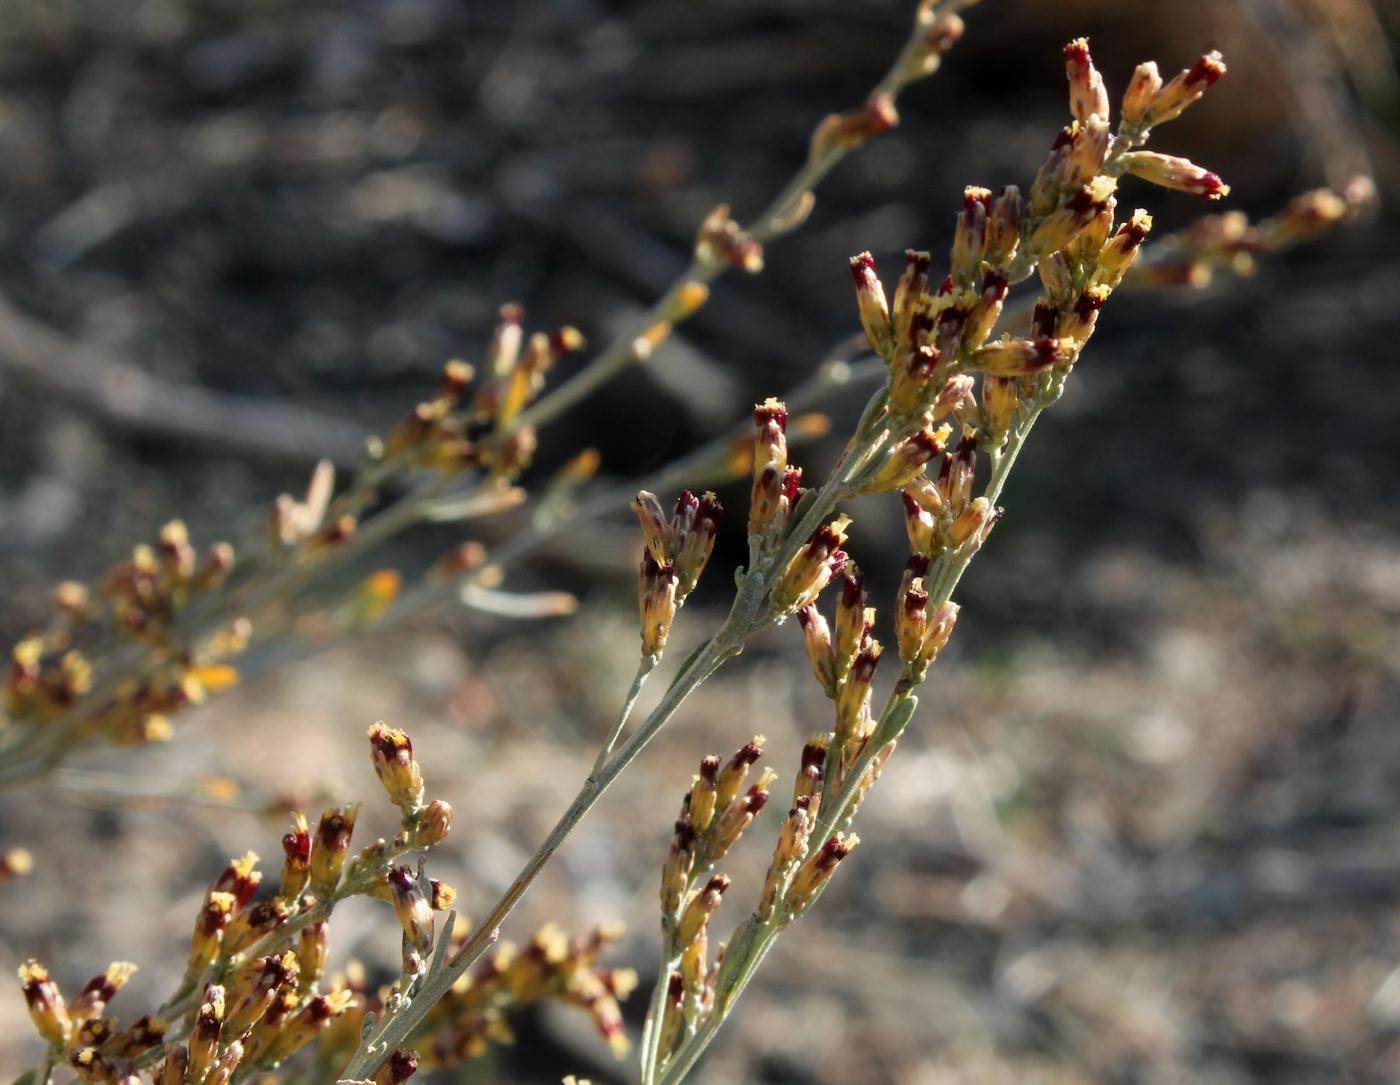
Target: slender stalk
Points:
(644, 669)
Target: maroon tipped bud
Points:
(756, 799)
(792, 483)
(1206, 70)
(770, 411)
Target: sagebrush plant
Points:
(964, 372)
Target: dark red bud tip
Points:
(1063, 140)
(402, 877)
(792, 482)
(973, 197)
(1043, 319)
(833, 851)
(915, 599)
(747, 755)
(946, 287)
(967, 444)
(995, 285)
(813, 756)
(912, 508)
(675, 990)
(805, 615)
(1206, 70)
(709, 768)
(1211, 185)
(918, 261)
(710, 509)
(757, 799)
(917, 565)
(1047, 353)
(863, 270)
(403, 1064)
(853, 588)
(927, 443)
(838, 561)
(683, 836)
(717, 885)
(1134, 233)
(764, 413)
(1084, 204)
(297, 845)
(1088, 303)
(864, 666)
(687, 502)
(1077, 51)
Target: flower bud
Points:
(434, 823)
(1088, 96)
(205, 1032)
(675, 873)
(791, 849)
(45, 1002)
(413, 908)
(254, 988)
(396, 767)
(175, 1066)
(1178, 173)
(817, 635)
(312, 950)
(909, 296)
(854, 620)
(924, 508)
(296, 866)
(1121, 249)
(874, 310)
(908, 459)
(1004, 227)
(853, 702)
(1020, 357)
(703, 793)
(736, 771)
(209, 926)
(911, 618)
(249, 925)
(807, 788)
(656, 599)
(812, 567)
(1142, 89)
(1185, 88)
(695, 544)
(702, 906)
(656, 532)
(969, 238)
(330, 846)
(813, 875)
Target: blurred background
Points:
(1147, 825)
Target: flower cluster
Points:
(464, 428)
(674, 555)
(714, 814)
(959, 399)
(138, 601)
(255, 990)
